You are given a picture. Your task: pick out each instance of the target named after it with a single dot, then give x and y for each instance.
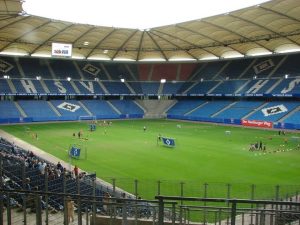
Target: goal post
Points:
(87, 118)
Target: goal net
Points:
(86, 118)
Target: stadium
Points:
(192, 122)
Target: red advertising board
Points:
(257, 123)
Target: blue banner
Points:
(75, 152)
(170, 142)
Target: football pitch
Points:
(208, 154)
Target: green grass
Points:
(204, 154)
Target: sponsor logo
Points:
(68, 106)
(265, 65)
(91, 69)
(5, 66)
(257, 123)
(274, 110)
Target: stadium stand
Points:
(128, 108)
(101, 109)
(88, 87)
(136, 86)
(260, 78)
(38, 110)
(9, 111)
(164, 71)
(259, 86)
(69, 109)
(281, 108)
(4, 87)
(63, 68)
(209, 109)
(171, 88)
(60, 87)
(184, 106)
(239, 109)
(228, 87)
(35, 67)
(150, 88)
(287, 86)
(236, 68)
(202, 87)
(26, 86)
(89, 70)
(262, 86)
(9, 67)
(116, 87)
(117, 71)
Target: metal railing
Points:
(233, 211)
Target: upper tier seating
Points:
(257, 86)
(236, 68)
(209, 70)
(59, 87)
(28, 86)
(35, 67)
(202, 87)
(228, 87)
(88, 87)
(263, 67)
(116, 71)
(9, 67)
(150, 88)
(290, 66)
(4, 88)
(136, 86)
(63, 69)
(164, 71)
(90, 70)
(288, 86)
(171, 88)
(116, 87)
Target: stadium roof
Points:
(271, 27)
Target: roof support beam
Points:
(80, 36)
(140, 45)
(100, 42)
(177, 47)
(49, 38)
(124, 43)
(20, 37)
(159, 48)
(242, 36)
(263, 27)
(205, 36)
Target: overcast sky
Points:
(139, 14)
